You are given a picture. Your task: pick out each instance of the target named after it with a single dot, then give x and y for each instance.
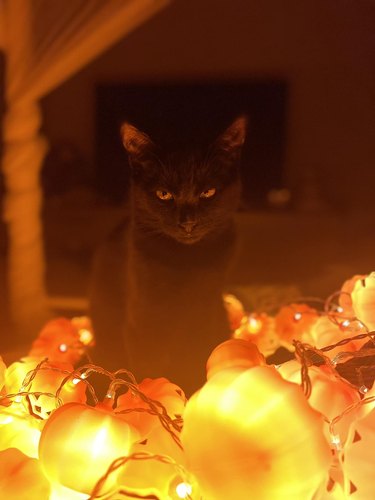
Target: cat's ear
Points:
(232, 139)
(137, 143)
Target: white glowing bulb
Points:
(339, 309)
(345, 323)
(183, 490)
(297, 316)
(63, 347)
(363, 389)
(76, 381)
(336, 441)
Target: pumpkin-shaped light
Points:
(329, 395)
(47, 380)
(160, 389)
(259, 328)
(18, 429)
(325, 332)
(234, 309)
(294, 320)
(252, 434)
(236, 353)
(358, 462)
(363, 300)
(59, 340)
(21, 477)
(152, 476)
(79, 442)
(345, 300)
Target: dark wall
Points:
(324, 49)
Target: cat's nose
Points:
(188, 226)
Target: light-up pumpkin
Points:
(160, 389)
(259, 328)
(152, 476)
(21, 477)
(363, 300)
(79, 442)
(60, 340)
(18, 429)
(234, 309)
(325, 332)
(47, 380)
(329, 395)
(358, 460)
(236, 353)
(251, 434)
(294, 320)
(345, 300)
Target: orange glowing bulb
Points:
(21, 477)
(79, 442)
(249, 433)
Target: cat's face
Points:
(185, 196)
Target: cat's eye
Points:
(208, 193)
(164, 195)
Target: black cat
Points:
(157, 304)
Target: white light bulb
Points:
(183, 490)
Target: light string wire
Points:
(122, 461)
(156, 408)
(303, 352)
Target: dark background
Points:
(178, 115)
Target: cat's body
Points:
(157, 304)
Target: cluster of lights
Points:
(142, 440)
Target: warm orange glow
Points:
(234, 353)
(258, 436)
(79, 442)
(255, 324)
(358, 464)
(21, 477)
(294, 320)
(153, 477)
(235, 311)
(47, 381)
(330, 396)
(363, 299)
(59, 341)
(160, 389)
(345, 299)
(18, 429)
(326, 332)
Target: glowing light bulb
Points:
(345, 323)
(336, 441)
(85, 336)
(77, 380)
(297, 316)
(254, 325)
(184, 490)
(63, 347)
(363, 389)
(339, 309)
